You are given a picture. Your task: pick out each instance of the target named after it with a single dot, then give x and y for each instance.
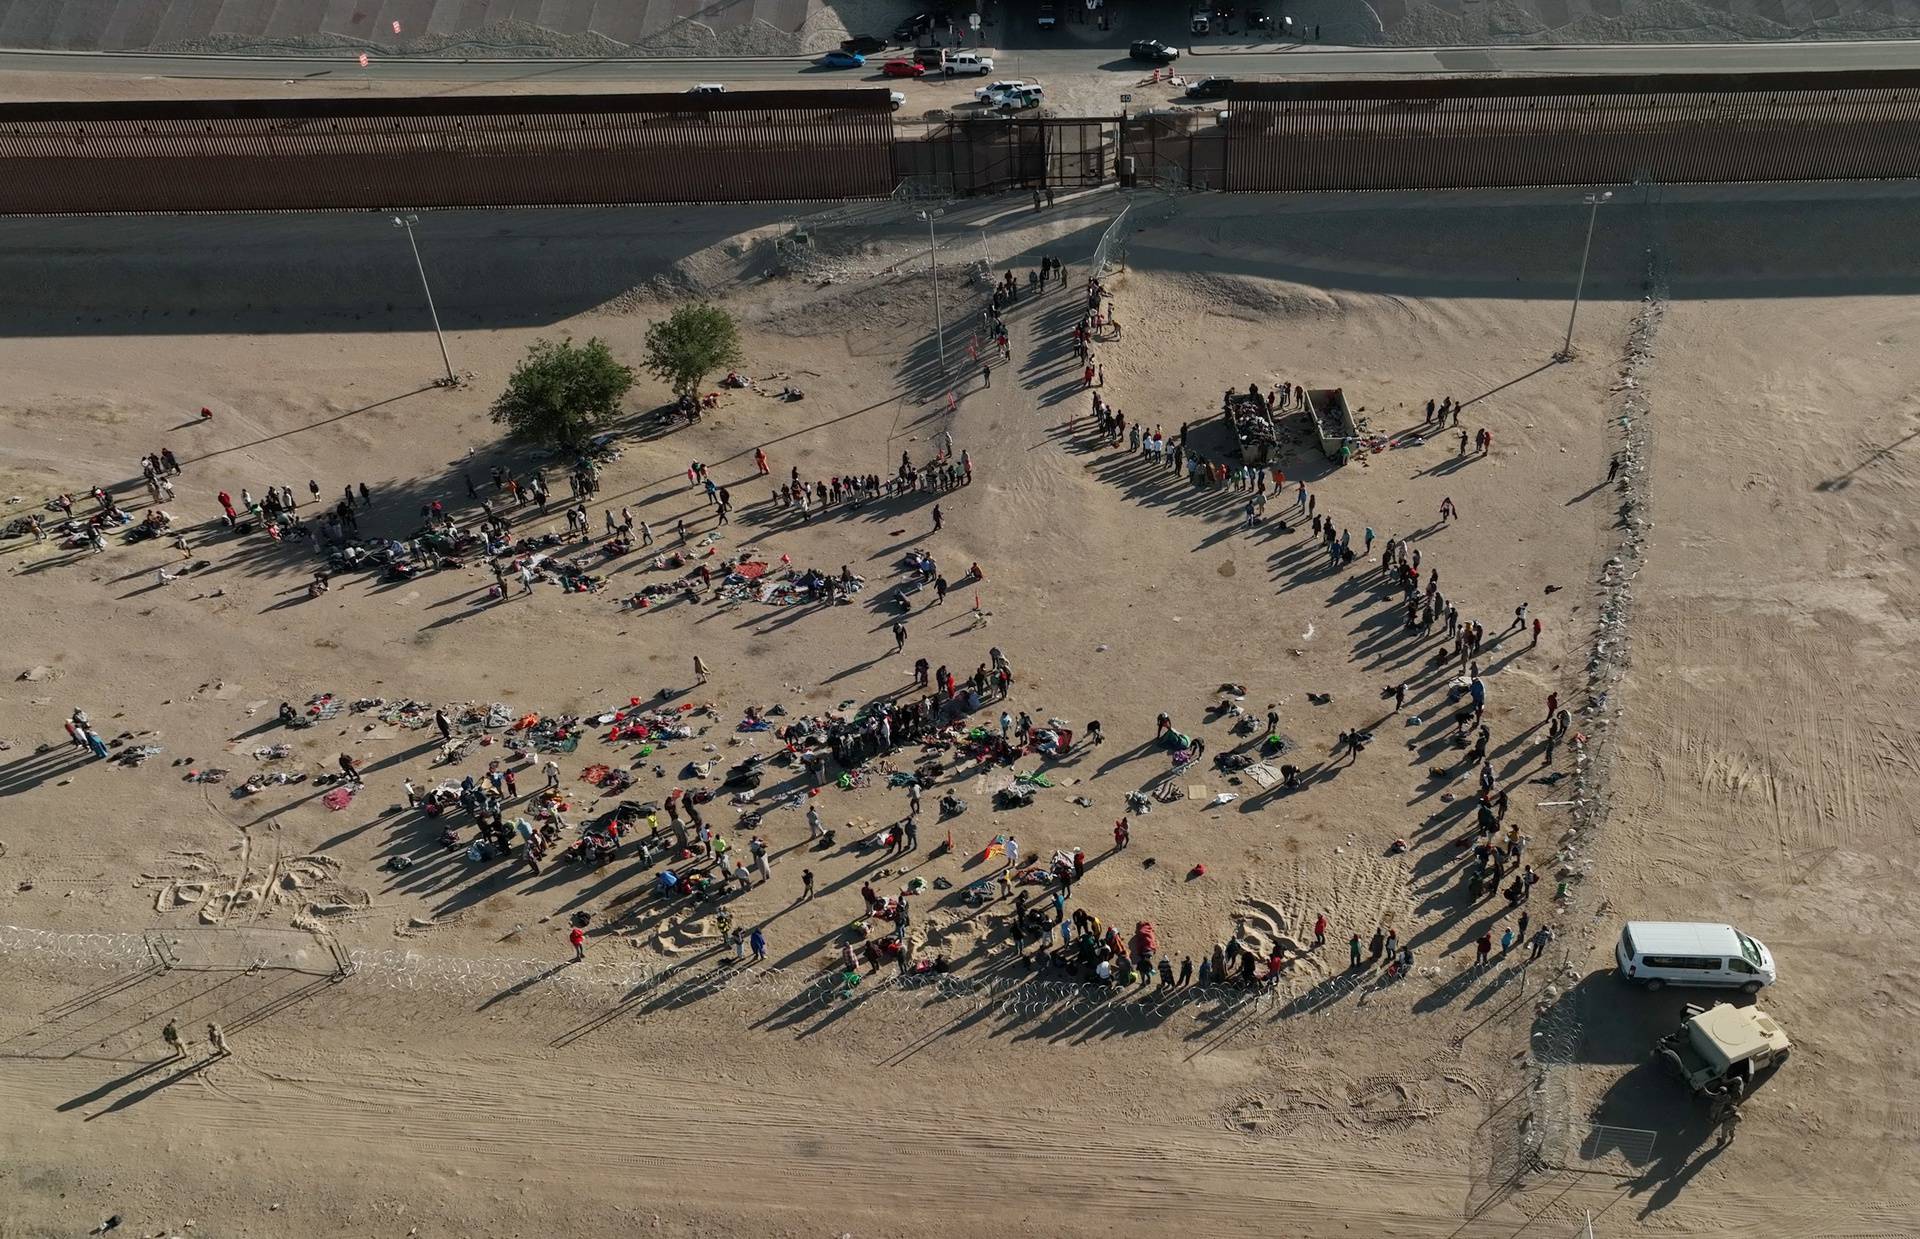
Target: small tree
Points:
(691, 343)
(562, 392)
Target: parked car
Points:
(864, 45)
(1048, 17)
(1210, 88)
(899, 100)
(1660, 953)
(1257, 19)
(1153, 51)
(1202, 20)
(968, 62)
(843, 60)
(981, 92)
(912, 28)
(930, 58)
(1013, 100)
(707, 88)
(902, 68)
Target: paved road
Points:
(1248, 60)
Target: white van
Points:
(968, 62)
(1657, 953)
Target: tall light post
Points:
(407, 222)
(933, 267)
(1593, 202)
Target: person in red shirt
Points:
(578, 937)
(1320, 930)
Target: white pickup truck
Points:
(959, 63)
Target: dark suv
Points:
(1153, 51)
(863, 45)
(1210, 88)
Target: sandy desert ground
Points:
(1747, 757)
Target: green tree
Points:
(691, 343)
(562, 392)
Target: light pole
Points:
(933, 267)
(407, 222)
(1593, 202)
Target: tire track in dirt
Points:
(956, 1156)
(485, 1106)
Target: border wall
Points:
(815, 145)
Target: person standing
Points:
(806, 885)
(1483, 949)
(758, 941)
(578, 937)
(1353, 950)
(1541, 937)
(171, 1035)
(699, 670)
(217, 1042)
(1320, 931)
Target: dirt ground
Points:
(464, 1077)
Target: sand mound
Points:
(1249, 297)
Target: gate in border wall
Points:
(985, 155)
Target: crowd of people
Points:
(1426, 608)
(932, 734)
(942, 473)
